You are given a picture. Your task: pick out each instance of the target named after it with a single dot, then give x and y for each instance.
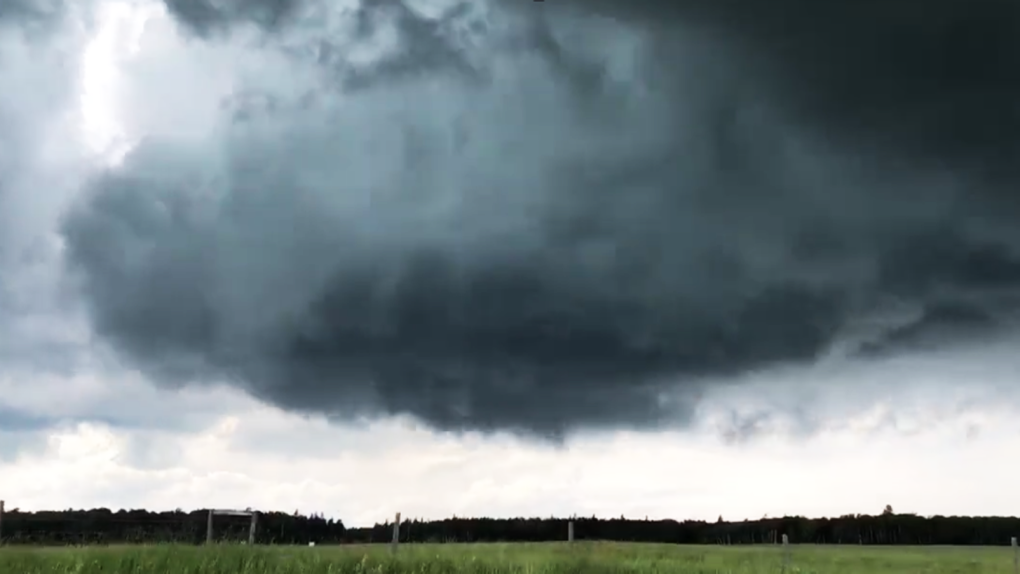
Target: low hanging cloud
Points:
(553, 218)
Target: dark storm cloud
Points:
(616, 209)
(939, 78)
(427, 44)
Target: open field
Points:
(551, 558)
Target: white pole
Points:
(786, 553)
(570, 532)
(396, 534)
(251, 528)
(209, 528)
(1016, 555)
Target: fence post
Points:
(570, 531)
(208, 528)
(1016, 555)
(786, 553)
(251, 528)
(396, 534)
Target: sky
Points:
(676, 260)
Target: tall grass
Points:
(581, 558)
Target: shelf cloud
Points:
(543, 218)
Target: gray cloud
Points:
(34, 85)
(209, 17)
(610, 213)
(16, 420)
(14, 444)
(29, 12)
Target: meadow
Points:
(549, 558)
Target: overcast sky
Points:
(492, 260)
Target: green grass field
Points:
(581, 558)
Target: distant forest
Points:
(103, 526)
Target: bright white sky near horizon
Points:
(103, 436)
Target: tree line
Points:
(104, 526)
